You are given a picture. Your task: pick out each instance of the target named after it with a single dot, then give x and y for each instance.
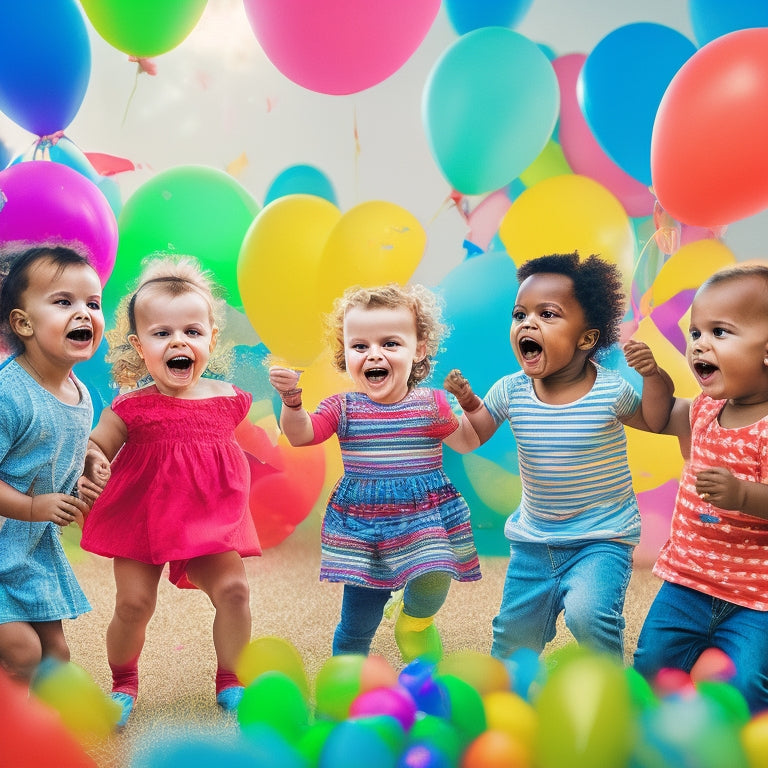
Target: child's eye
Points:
(359, 347)
(518, 316)
(63, 302)
(193, 332)
(719, 333)
(95, 305)
(391, 344)
(695, 335)
(548, 314)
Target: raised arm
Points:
(294, 419)
(658, 389)
(475, 412)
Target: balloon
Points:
(340, 46)
(582, 150)
(353, 742)
(550, 162)
(484, 673)
(467, 714)
(275, 700)
(565, 214)
(485, 123)
(506, 711)
(712, 18)
(754, 739)
(709, 160)
(484, 220)
(620, 87)
(301, 179)
(656, 504)
(495, 749)
(272, 654)
(585, 715)
(190, 210)
(373, 243)
(144, 28)
(46, 202)
(466, 15)
(394, 701)
(45, 64)
(278, 272)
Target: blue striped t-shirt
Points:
(573, 461)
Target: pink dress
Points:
(180, 485)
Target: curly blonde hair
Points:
(173, 276)
(426, 309)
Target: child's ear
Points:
(133, 340)
(214, 338)
(589, 339)
(20, 323)
(421, 351)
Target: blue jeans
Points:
(683, 622)
(588, 580)
(363, 607)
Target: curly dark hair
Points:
(597, 286)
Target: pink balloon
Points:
(42, 202)
(340, 46)
(582, 150)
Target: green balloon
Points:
(188, 210)
(273, 699)
(144, 28)
(466, 705)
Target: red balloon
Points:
(709, 156)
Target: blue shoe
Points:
(126, 702)
(229, 698)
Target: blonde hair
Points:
(427, 313)
(173, 276)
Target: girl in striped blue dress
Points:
(574, 532)
(394, 519)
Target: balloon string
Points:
(639, 259)
(133, 91)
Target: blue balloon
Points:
(620, 88)
(45, 64)
(301, 180)
(714, 18)
(466, 15)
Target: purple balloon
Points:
(42, 202)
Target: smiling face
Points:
(549, 333)
(728, 340)
(380, 348)
(175, 336)
(60, 317)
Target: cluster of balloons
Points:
(573, 708)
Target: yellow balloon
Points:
(375, 242)
(689, 267)
(550, 162)
(508, 712)
(653, 459)
(277, 274)
(272, 654)
(569, 213)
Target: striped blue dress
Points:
(394, 514)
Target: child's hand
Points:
(459, 387)
(58, 508)
(720, 488)
(285, 381)
(640, 357)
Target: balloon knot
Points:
(145, 64)
(50, 139)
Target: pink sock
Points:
(225, 679)
(125, 677)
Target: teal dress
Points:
(42, 450)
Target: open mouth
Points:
(704, 369)
(80, 334)
(180, 363)
(529, 348)
(376, 374)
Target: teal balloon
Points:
(489, 106)
(353, 743)
(301, 180)
(715, 18)
(620, 87)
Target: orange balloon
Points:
(496, 749)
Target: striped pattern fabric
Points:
(722, 553)
(394, 514)
(573, 461)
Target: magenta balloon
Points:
(340, 46)
(582, 150)
(42, 202)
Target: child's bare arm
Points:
(96, 473)
(474, 411)
(658, 389)
(294, 419)
(59, 508)
(722, 489)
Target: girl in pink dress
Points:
(179, 485)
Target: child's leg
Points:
(530, 602)
(361, 612)
(222, 577)
(135, 600)
(53, 644)
(594, 583)
(415, 632)
(20, 650)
